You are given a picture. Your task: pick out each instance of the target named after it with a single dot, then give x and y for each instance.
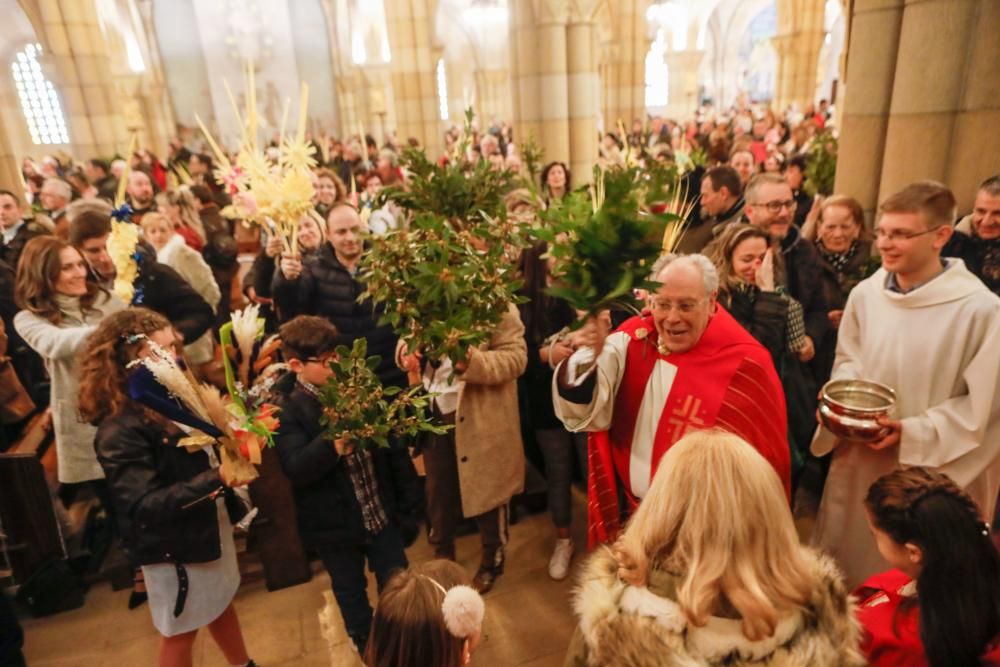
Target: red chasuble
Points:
(726, 381)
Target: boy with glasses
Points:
(350, 500)
(928, 328)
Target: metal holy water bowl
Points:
(850, 409)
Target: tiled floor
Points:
(528, 616)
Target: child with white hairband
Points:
(427, 616)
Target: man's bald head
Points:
(343, 230)
(140, 189)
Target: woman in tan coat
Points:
(479, 465)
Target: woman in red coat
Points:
(940, 606)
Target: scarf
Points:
(838, 260)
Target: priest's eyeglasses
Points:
(685, 307)
(896, 235)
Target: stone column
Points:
(798, 43)
(77, 60)
(492, 94)
(623, 64)
(414, 81)
(939, 69)
(682, 82)
(975, 141)
(871, 68)
(10, 162)
(524, 70)
(583, 90)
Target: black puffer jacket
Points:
(163, 496)
(328, 509)
(166, 292)
(326, 288)
(804, 279)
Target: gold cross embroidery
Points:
(686, 417)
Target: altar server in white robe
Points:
(930, 329)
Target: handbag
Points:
(15, 403)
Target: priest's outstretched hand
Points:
(593, 333)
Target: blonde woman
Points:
(710, 572)
(180, 209)
(172, 250)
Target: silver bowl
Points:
(850, 409)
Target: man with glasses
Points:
(770, 205)
(686, 365)
(928, 328)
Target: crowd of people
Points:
(692, 425)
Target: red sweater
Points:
(893, 639)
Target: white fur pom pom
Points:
(463, 610)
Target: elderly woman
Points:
(172, 250)
(710, 571)
(845, 260)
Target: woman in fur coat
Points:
(710, 572)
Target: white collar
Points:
(11, 232)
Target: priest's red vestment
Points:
(637, 402)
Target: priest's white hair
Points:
(709, 274)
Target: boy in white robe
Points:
(930, 329)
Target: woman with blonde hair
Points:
(710, 571)
(172, 250)
(180, 209)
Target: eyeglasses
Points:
(776, 206)
(324, 359)
(682, 307)
(895, 235)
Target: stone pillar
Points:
(414, 81)
(524, 70)
(76, 58)
(798, 43)
(871, 68)
(492, 95)
(682, 82)
(10, 162)
(583, 91)
(939, 70)
(623, 64)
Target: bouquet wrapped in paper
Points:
(357, 408)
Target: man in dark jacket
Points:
(977, 237)
(352, 499)
(770, 205)
(157, 287)
(720, 203)
(326, 285)
(17, 231)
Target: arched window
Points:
(39, 102)
(657, 74)
(442, 85)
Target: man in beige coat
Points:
(479, 465)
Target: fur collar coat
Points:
(627, 626)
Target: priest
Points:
(686, 365)
(930, 329)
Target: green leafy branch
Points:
(356, 406)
